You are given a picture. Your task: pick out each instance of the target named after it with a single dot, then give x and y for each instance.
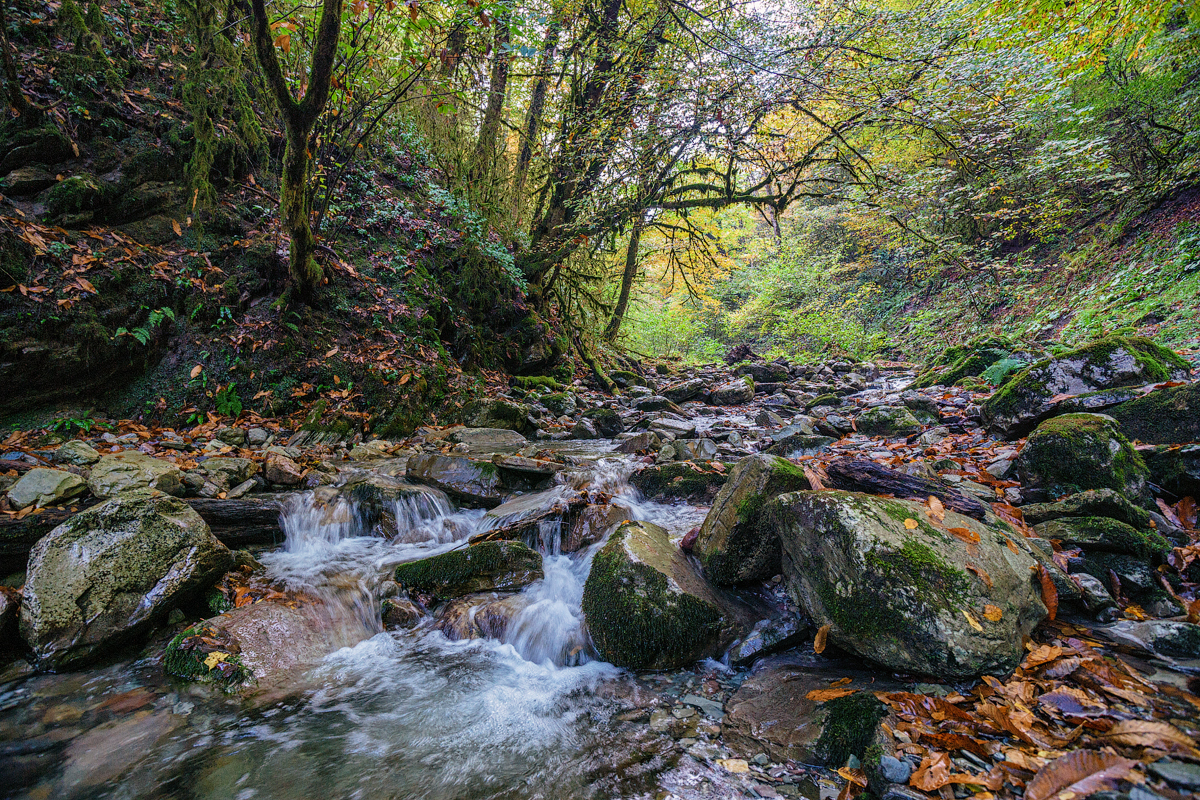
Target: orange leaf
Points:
(911, 524)
(981, 573)
(332, 353)
(822, 695)
(936, 511)
(175, 227)
(1147, 733)
(196, 370)
(1081, 772)
(966, 534)
(819, 641)
(284, 42)
(1049, 593)
(992, 613)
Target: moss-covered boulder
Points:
(1164, 416)
(470, 481)
(1175, 469)
(498, 414)
(901, 589)
(887, 421)
(1092, 503)
(1075, 452)
(484, 567)
(606, 421)
(732, 545)
(801, 444)
(646, 606)
(1103, 533)
(559, 404)
(132, 471)
(967, 365)
(680, 480)
(734, 393)
(1029, 396)
(684, 390)
(112, 571)
(764, 373)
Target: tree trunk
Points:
(30, 113)
(485, 149)
(537, 104)
(295, 214)
(631, 268)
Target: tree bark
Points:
(485, 149)
(631, 268)
(537, 104)
(30, 113)
(866, 476)
(299, 119)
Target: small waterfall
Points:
(549, 630)
(425, 517)
(311, 525)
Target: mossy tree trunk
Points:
(30, 113)
(299, 119)
(631, 268)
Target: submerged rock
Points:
(592, 524)
(45, 487)
(647, 607)
(1076, 452)
(732, 545)
(110, 572)
(132, 471)
(902, 591)
(484, 615)
(1029, 396)
(484, 567)
(467, 480)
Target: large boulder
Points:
(487, 438)
(1092, 503)
(646, 605)
(1104, 533)
(110, 572)
(607, 422)
(681, 480)
(1175, 469)
(732, 545)
(1031, 395)
(498, 414)
(132, 471)
(484, 567)
(887, 421)
(1164, 416)
(75, 452)
(898, 587)
(466, 480)
(735, 393)
(1076, 452)
(45, 487)
(684, 390)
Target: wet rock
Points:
(1164, 637)
(522, 518)
(734, 393)
(105, 753)
(1029, 396)
(1135, 575)
(887, 421)
(1175, 469)
(732, 545)
(559, 403)
(672, 429)
(1092, 503)
(484, 567)
(800, 444)
(10, 612)
(654, 403)
(1076, 452)
(485, 438)
(81, 454)
(480, 616)
(282, 471)
(684, 390)
(132, 471)
(498, 414)
(1103, 533)
(110, 572)
(228, 472)
(585, 429)
(592, 524)
(647, 607)
(398, 613)
(678, 480)
(894, 770)
(639, 442)
(765, 373)
(909, 595)
(1096, 599)
(769, 636)
(467, 480)
(45, 487)
(696, 450)
(768, 419)
(1164, 416)
(607, 422)
(1179, 773)
(374, 449)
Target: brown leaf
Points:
(981, 573)
(937, 511)
(966, 534)
(823, 695)
(196, 370)
(992, 613)
(974, 622)
(284, 42)
(1146, 733)
(1081, 772)
(911, 524)
(1049, 593)
(819, 641)
(175, 227)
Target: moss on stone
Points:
(536, 382)
(1071, 453)
(677, 480)
(1164, 416)
(488, 566)
(189, 663)
(849, 729)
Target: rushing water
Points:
(405, 714)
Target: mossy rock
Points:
(498, 414)
(73, 196)
(529, 383)
(1175, 469)
(1102, 533)
(1092, 503)
(484, 567)
(608, 422)
(888, 421)
(1109, 363)
(20, 146)
(188, 657)
(1076, 452)
(898, 590)
(559, 404)
(822, 400)
(851, 723)
(732, 545)
(625, 378)
(1164, 416)
(680, 480)
(970, 365)
(646, 606)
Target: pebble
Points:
(895, 770)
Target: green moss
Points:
(1165, 416)
(849, 729)
(624, 378)
(188, 662)
(917, 566)
(634, 617)
(677, 480)
(536, 382)
(217, 602)
(483, 567)
(822, 400)
(970, 365)
(1070, 454)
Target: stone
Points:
(800, 444)
(765, 373)
(654, 403)
(257, 437)
(1179, 773)
(470, 481)
(678, 480)
(227, 472)
(585, 429)
(1096, 599)
(486, 438)
(1092, 503)
(523, 517)
(647, 607)
(1165, 637)
(483, 567)
(696, 450)
(45, 487)
(80, 454)
(684, 390)
(887, 421)
(1164, 416)
(1175, 469)
(485, 615)
(639, 442)
(498, 414)
(734, 393)
(1030, 396)
(560, 403)
(282, 471)
(768, 636)
(1135, 573)
(132, 471)
(732, 546)
(26, 181)
(375, 449)
(592, 524)
(112, 571)
(1103, 533)
(672, 429)
(894, 770)
(234, 437)
(1076, 452)
(896, 588)
(607, 422)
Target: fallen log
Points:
(853, 475)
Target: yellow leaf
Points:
(196, 370)
(911, 524)
(936, 511)
(175, 227)
(992, 613)
(214, 658)
(819, 642)
(734, 765)
(974, 623)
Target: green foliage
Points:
(145, 332)
(83, 424)
(227, 402)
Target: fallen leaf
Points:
(819, 641)
(841, 682)
(196, 370)
(966, 534)
(974, 622)
(1049, 593)
(911, 524)
(936, 510)
(175, 227)
(737, 766)
(1081, 772)
(992, 613)
(1146, 733)
(332, 353)
(214, 658)
(824, 695)
(1042, 654)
